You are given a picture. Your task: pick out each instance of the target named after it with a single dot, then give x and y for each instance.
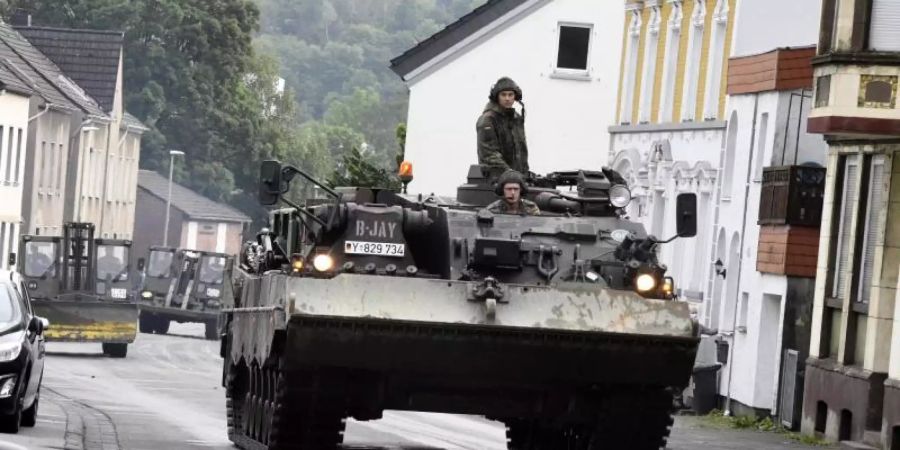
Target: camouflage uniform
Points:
(526, 208)
(501, 132)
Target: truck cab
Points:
(184, 286)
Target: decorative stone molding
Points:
(655, 19)
(634, 28)
(720, 14)
(675, 16)
(698, 17)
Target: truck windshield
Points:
(10, 314)
(212, 269)
(39, 259)
(112, 262)
(160, 264)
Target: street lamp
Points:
(172, 155)
(720, 269)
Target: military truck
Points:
(82, 286)
(563, 326)
(183, 286)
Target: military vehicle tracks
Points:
(266, 412)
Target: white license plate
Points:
(374, 248)
(118, 293)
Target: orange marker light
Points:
(406, 171)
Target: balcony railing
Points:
(792, 195)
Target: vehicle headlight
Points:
(212, 292)
(619, 195)
(118, 293)
(645, 282)
(147, 295)
(8, 386)
(323, 263)
(10, 350)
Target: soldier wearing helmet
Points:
(501, 129)
(511, 186)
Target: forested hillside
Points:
(335, 55)
(202, 75)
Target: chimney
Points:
(20, 18)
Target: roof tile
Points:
(189, 202)
(90, 57)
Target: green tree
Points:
(356, 170)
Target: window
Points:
(3, 157)
(648, 78)
(692, 68)
(742, 319)
(884, 31)
(761, 145)
(574, 46)
(872, 226)
(828, 25)
(18, 173)
(60, 173)
(730, 155)
(673, 43)
(842, 257)
(659, 213)
(823, 90)
(714, 76)
(9, 155)
(630, 76)
(2, 242)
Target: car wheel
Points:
(145, 323)
(10, 423)
(162, 326)
(212, 330)
(29, 416)
(115, 350)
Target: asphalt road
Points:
(166, 395)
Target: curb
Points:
(86, 427)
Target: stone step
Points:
(855, 445)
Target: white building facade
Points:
(760, 301)
(14, 105)
(563, 53)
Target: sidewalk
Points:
(692, 433)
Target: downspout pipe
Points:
(47, 107)
(728, 411)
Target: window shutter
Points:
(873, 226)
(885, 26)
(851, 174)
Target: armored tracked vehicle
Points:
(183, 286)
(563, 326)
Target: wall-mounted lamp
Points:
(720, 268)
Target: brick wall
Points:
(788, 250)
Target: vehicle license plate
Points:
(374, 248)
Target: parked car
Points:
(21, 354)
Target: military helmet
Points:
(510, 176)
(505, 84)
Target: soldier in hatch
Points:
(511, 186)
(501, 129)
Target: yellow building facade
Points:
(674, 61)
(669, 128)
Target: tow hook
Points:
(489, 291)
